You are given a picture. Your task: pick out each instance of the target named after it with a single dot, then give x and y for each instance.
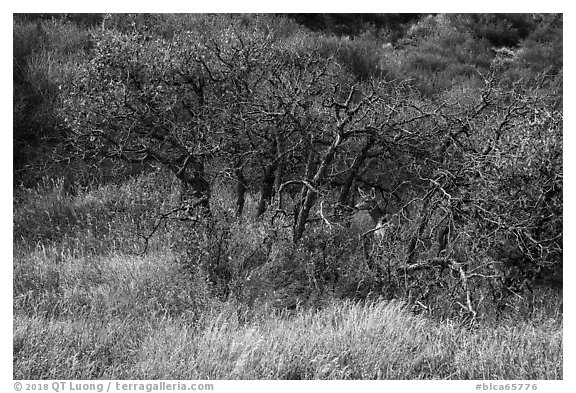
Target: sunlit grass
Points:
(87, 305)
(343, 341)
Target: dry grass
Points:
(343, 341)
(87, 308)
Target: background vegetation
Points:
(184, 189)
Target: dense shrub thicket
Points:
(185, 190)
(455, 121)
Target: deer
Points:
(377, 223)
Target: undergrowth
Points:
(231, 301)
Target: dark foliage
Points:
(355, 24)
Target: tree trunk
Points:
(352, 173)
(241, 188)
(279, 170)
(267, 183)
(411, 251)
(310, 195)
(266, 189)
(298, 206)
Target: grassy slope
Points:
(85, 306)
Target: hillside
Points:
(300, 196)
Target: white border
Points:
(296, 6)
